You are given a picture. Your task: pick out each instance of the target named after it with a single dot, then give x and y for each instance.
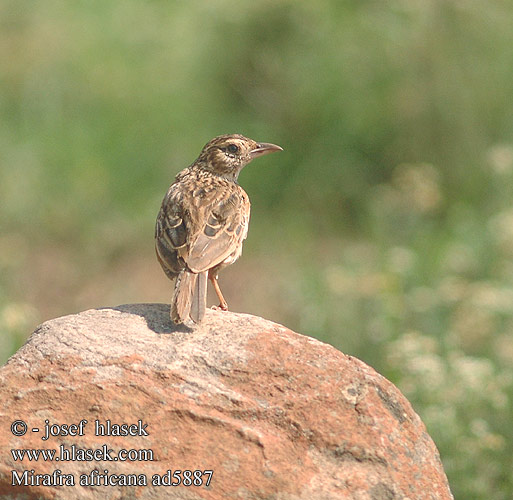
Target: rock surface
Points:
(275, 415)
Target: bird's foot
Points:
(220, 307)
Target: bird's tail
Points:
(190, 297)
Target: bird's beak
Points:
(264, 148)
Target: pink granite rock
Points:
(274, 414)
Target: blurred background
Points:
(384, 228)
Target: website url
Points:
(73, 453)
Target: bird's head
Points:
(227, 155)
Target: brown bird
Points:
(203, 221)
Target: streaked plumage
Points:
(203, 222)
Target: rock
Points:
(274, 414)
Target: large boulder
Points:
(274, 414)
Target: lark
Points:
(203, 222)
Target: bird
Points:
(203, 222)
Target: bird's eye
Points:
(232, 148)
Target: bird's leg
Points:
(212, 276)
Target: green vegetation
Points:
(385, 227)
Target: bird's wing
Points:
(171, 233)
(200, 230)
(220, 233)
